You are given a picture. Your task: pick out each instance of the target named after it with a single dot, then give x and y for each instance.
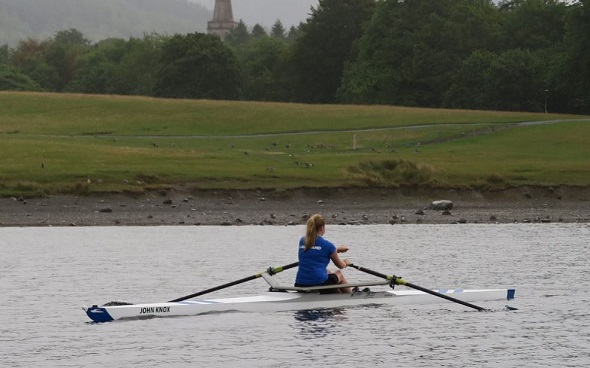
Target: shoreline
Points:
(343, 206)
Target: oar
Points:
(400, 281)
(271, 271)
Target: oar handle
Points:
(270, 271)
(399, 281)
(274, 270)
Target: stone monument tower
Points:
(223, 19)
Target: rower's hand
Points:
(342, 249)
(347, 262)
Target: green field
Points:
(60, 143)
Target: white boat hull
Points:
(288, 300)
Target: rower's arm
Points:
(338, 262)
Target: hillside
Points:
(83, 144)
(40, 19)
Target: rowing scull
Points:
(285, 298)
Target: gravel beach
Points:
(348, 206)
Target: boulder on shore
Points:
(442, 205)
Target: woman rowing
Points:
(315, 254)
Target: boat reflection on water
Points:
(314, 323)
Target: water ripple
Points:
(46, 274)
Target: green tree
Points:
(12, 80)
(510, 80)
(97, 72)
(540, 27)
(293, 34)
(516, 81)
(532, 24)
(53, 62)
(238, 36)
(326, 43)
(261, 63)
(197, 66)
(575, 70)
(470, 88)
(136, 72)
(5, 54)
(278, 30)
(258, 31)
(120, 67)
(70, 37)
(29, 58)
(411, 50)
(63, 54)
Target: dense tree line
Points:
(528, 55)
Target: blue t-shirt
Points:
(312, 263)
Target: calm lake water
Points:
(47, 274)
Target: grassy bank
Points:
(52, 143)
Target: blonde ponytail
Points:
(314, 224)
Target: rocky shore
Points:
(346, 206)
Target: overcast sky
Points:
(266, 12)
